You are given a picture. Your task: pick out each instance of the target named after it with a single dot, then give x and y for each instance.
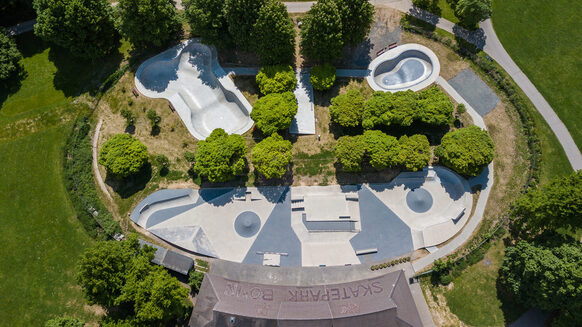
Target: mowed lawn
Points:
(545, 40)
(40, 236)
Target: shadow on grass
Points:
(129, 186)
(367, 175)
(511, 309)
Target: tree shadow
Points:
(510, 306)
(368, 174)
(155, 131)
(127, 187)
(286, 180)
(75, 76)
(434, 133)
(130, 129)
(475, 37)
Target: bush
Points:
(382, 149)
(122, 155)
(221, 156)
(349, 152)
(129, 117)
(461, 109)
(274, 112)
(271, 157)
(189, 156)
(414, 152)
(322, 77)
(9, 56)
(155, 120)
(195, 280)
(467, 150)
(434, 107)
(64, 322)
(276, 79)
(347, 109)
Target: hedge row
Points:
(80, 184)
(390, 264)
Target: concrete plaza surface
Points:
(312, 225)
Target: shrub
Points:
(189, 156)
(434, 107)
(414, 152)
(122, 155)
(385, 108)
(467, 150)
(322, 77)
(9, 56)
(195, 280)
(382, 149)
(276, 79)
(154, 118)
(221, 156)
(461, 109)
(162, 160)
(349, 152)
(64, 322)
(129, 117)
(272, 156)
(274, 112)
(346, 109)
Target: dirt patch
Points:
(451, 63)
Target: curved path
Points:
(486, 39)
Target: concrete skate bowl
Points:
(189, 76)
(406, 67)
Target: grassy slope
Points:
(544, 40)
(41, 238)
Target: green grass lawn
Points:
(41, 237)
(544, 39)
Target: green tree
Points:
(9, 56)
(221, 156)
(129, 117)
(123, 155)
(149, 23)
(321, 33)
(274, 112)
(414, 152)
(154, 118)
(64, 322)
(276, 79)
(102, 270)
(349, 152)
(382, 149)
(322, 77)
(434, 107)
(471, 12)
(271, 157)
(549, 278)
(206, 18)
(85, 27)
(466, 150)
(274, 34)
(195, 280)
(241, 16)
(555, 205)
(357, 17)
(347, 109)
(156, 297)
(385, 108)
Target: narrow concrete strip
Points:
(21, 28)
(95, 166)
(477, 119)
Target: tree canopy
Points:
(241, 16)
(206, 18)
(221, 156)
(381, 150)
(120, 274)
(274, 34)
(85, 27)
(149, 23)
(9, 56)
(276, 79)
(347, 109)
(549, 278)
(434, 107)
(271, 157)
(322, 77)
(357, 17)
(466, 150)
(471, 12)
(123, 155)
(555, 205)
(414, 152)
(274, 112)
(321, 33)
(349, 152)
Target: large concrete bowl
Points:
(406, 67)
(204, 96)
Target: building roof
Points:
(170, 259)
(381, 301)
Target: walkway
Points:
(486, 39)
(21, 28)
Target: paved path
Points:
(95, 166)
(486, 39)
(532, 318)
(21, 28)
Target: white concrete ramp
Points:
(304, 121)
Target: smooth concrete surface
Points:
(304, 121)
(406, 67)
(474, 91)
(205, 97)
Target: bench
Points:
(135, 92)
(392, 45)
(366, 251)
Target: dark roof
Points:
(169, 259)
(381, 301)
